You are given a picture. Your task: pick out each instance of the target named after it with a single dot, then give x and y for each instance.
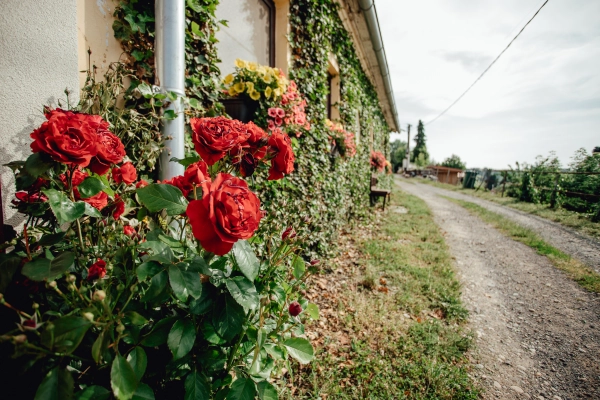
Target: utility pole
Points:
(407, 160)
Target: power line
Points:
(490, 66)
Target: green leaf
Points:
(210, 335)
(134, 318)
(300, 349)
(161, 252)
(199, 265)
(51, 238)
(299, 267)
(106, 185)
(195, 103)
(242, 389)
(145, 90)
(274, 351)
(92, 211)
(42, 268)
(204, 303)
(90, 187)
(184, 283)
(156, 197)
(62, 207)
(157, 286)
(196, 29)
(93, 393)
(64, 334)
(143, 392)
(266, 391)
(312, 310)
(246, 259)
(243, 291)
(99, 347)
(181, 338)
(138, 360)
(186, 162)
(9, 263)
(57, 385)
(122, 378)
(228, 318)
(196, 387)
(37, 164)
(159, 333)
(148, 269)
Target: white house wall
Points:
(38, 60)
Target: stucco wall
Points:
(38, 60)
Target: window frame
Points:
(271, 6)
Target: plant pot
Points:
(241, 108)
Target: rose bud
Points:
(315, 262)
(99, 295)
(295, 309)
(288, 233)
(19, 339)
(89, 316)
(129, 230)
(142, 183)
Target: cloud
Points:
(471, 61)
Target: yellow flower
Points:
(252, 66)
(276, 92)
(255, 95)
(238, 87)
(262, 70)
(232, 91)
(268, 92)
(268, 78)
(228, 79)
(249, 87)
(240, 63)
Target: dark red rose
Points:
(247, 165)
(99, 200)
(67, 137)
(97, 270)
(295, 309)
(314, 262)
(282, 162)
(119, 207)
(129, 230)
(30, 197)
(197, 175)
(227, 213)
(214, 137)
(142, 183)
(288, 233)
(110, 148)
(256, 143)
(126, 173)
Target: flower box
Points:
(241, 108)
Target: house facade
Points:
(331, 49)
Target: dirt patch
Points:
(537, 330)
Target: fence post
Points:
(505, 175)
(554, 194)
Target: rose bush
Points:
(118, 286)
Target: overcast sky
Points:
(542, 95)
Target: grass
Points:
(575, 269)
(410, 342)
(578, 221)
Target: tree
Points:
(421, 146)
(454, 161)
(398, 153)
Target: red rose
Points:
(197, 174)
(282, 162)
(142, 183)
(295, 309)
(227, 213)
(256, 143)
(97, 270)
(98, 201)
(67, 137)
(110, 147)
(126, 173)
(214, 137)
(129, 230)
(119, 207)
(181, 183)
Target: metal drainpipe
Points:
(368, 9)
(170, 71)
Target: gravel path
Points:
(578, 245)
(537, 331)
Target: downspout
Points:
(170, 72)
(370, 13)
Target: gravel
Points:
(536, 330)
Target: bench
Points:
(376, 192)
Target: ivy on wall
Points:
(325, 192)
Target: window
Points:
(249, 33)
(333, 82)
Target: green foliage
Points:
(420, 155)
(398, 153)
(454, 161)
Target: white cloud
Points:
(542, 95)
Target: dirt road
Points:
(538, 332)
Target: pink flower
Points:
(280, 113)
(272, 112)
(278, 121)
(271, 125)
